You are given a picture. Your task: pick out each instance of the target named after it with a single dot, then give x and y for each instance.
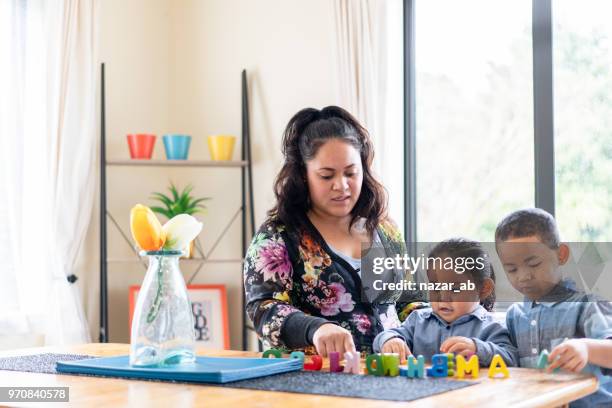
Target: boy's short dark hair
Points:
(529, 222)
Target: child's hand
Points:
(459, 345)
(571, 355)
(396, 345)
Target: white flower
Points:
(180, 231)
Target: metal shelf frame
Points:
(245, 209)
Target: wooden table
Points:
(524, 388)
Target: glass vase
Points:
(162, 326)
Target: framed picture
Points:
(209, 307)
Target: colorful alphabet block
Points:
(272, 352)
(415, 368)
(374, 364)
(391, 364)
(470, 367)
(543, 361)
(315, 364)
(439, 366)
(352, 362)
(334, 362)
(498, 366)
(451, 364)
(298, 355)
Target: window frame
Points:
(544, 152)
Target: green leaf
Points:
(183, 201)
(174, 192)
(196, 203)
(179, 202)
(187, 190)
(162, 211)
(164, 199)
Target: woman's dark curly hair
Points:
(306, 132)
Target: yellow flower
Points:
(310, 275)
(146, 229)
(308, 268)
(283, 297)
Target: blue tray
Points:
(217, 370)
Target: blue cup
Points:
(177, 146)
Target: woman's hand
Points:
(397, 345)
(330, 337)
(459, 345)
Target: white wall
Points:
(174, 66)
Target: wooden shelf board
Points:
(193, 260)
(176, 163)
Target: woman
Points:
(302, 269)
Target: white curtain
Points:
(369, 62)
(47, 163)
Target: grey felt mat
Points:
(304, 382)
(354, 386)
(38, 363)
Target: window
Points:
(472, 100)
(582, 52)
(474, 115)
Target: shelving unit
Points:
(246, 207)
(176, 163)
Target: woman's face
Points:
(334, 176)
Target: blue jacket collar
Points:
(560, 292)
(478, 313)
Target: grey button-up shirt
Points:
(424, 332)
(565, 313)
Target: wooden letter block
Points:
(542, 360)
(415, 368)
(334, 362)
(316, 362)
(451, 364)
(471, 367)
(298, 355)
(272, 352)
(498, 366)
(439, 366)
(352, 362)
(391, 364)
(374, 364)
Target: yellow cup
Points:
(221, 147)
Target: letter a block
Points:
(498, 366)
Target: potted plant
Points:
(179, 203)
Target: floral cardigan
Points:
(294, 283)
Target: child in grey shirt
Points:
(458, 320)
